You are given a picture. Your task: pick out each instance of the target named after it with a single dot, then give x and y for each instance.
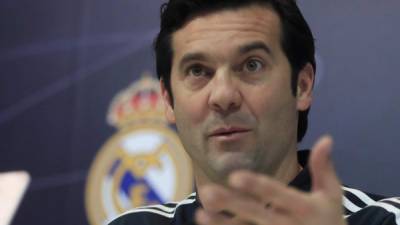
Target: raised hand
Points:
(258, 199)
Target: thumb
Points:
(323, 174)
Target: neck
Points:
(289, 168)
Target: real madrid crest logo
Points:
(143, 163)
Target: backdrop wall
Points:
(62, 62)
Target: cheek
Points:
(273, 108)
(190, 109)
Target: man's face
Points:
(230, 80)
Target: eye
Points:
(197, 71)
(253, 65)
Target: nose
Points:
(225, 96)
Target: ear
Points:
(305, 83)
(169, 110)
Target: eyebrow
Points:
(198, 56)
(258, 45)
(192, 57)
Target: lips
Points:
(228, 131)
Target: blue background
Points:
(62, 62)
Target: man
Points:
(237, 80)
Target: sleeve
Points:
(382, 212)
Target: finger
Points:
(245, 208)
(276, 218)
(203, 217)
(260, 186)
(214, 198)
(323, 174)
(286, 200)
(218, 198)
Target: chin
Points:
(230, 162)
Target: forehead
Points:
(229, 28)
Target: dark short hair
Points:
(297, 39)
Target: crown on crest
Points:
(140, 103)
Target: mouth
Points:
(229, 132)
